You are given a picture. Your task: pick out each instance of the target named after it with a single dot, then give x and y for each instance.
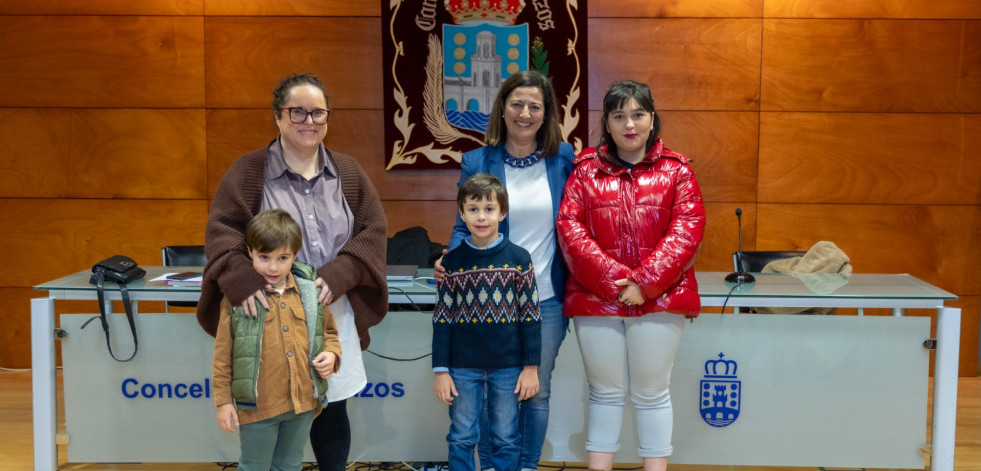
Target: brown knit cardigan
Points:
(358, 270)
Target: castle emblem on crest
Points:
(720, 392)
(481, 49)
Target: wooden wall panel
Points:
(869, 158)
(872, 65)
(102, 153)
(244, 65)
(721, 236)
(47, 238)
(938, 244)
(232, 133)
(33, 163)
(102, 61)
(102, 7)
(16, 330)
(949, 9)
(690, 64)
(292, 8)
(137, 153)
(437, 217)
(676, 9)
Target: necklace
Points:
(522, 162)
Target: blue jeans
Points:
(534, 411)
(502, 410)
(276, 443)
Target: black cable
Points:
(398, 359)
(412, 303)
(723, 311)
(417, 309)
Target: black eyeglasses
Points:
(299, 115)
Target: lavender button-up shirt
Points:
(316, 204)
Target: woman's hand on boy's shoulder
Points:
(325, 296)
(248, 306)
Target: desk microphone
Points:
(740, 276)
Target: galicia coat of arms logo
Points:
(446, 60)
(720, 392)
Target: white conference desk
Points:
(897, 292)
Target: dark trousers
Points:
(330, 437)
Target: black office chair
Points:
(754, 261)
(183, 255)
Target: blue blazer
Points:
(490, 159)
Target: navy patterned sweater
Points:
(486, 312)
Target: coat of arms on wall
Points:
(446, 59)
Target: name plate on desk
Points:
(764, 390)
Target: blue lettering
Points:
(129, 381)
(382, 390)
(131, 388)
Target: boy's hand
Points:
(527, 385)
(249, 304)
(444, 389)
(227, 417)
(324, 364)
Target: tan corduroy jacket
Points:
(284, 373)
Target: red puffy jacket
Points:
(644, 224)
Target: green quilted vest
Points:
(247, 341)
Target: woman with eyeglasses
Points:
(344, 236)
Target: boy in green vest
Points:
(270, 370)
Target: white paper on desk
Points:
(166, 278)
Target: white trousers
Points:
(634, 352)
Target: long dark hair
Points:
(549, 136)
(617, 96)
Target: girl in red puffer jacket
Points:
(629, 228)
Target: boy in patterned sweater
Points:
(486, 330)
